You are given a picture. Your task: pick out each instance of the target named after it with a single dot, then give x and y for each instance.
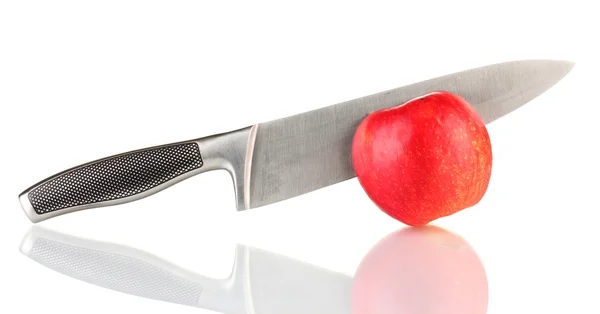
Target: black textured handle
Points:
(128, 175)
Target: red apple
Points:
(420, 270)
(425, 159)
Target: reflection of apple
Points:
(422, 270)
(425, 159)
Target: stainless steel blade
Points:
(305, 152)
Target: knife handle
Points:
(137, 174)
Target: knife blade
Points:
(273, 161)
(261, 282)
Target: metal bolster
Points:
(231, 151)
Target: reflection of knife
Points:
(280, 159)
(261, 282)
(412, 270)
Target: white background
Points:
(80, 80)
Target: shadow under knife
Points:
(261, 282)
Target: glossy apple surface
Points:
(425, 159)
(421, 270)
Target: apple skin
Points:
(425, 159)
(420, 270)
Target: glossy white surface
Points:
(80, 81)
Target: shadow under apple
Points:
(420, 270)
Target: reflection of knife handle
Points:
(133, 175)
(128, 270)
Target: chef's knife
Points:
(280, 159)
(261, 282)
